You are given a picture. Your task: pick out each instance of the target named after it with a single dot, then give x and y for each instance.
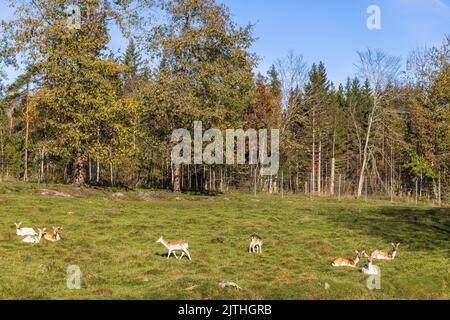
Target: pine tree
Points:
(132, 60)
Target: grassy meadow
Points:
(112, 238)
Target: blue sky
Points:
(330, 30)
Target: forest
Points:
(80, 113)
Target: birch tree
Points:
(379, 69)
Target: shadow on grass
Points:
(417, 228)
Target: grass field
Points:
(112, 239)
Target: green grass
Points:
(113, 242)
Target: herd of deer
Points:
(30, 236)
(256, 246)
(368, 268)
(183, 246)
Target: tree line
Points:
(80, 113)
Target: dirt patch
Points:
(49, 192)
(150, 196)
(118, 196)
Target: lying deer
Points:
(346, 262)
(382, 255)
(34, 238)
(173, 245)
(255, 244)
(53, 236)
(24, 231)
(369, 268)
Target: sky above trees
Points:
(329, 31)
(332, 31)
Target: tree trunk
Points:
(111, 174)
(313, 153)
(333, 161)
(2, 150)
(319, 169)
(41, 175)
(25, 156)
(333, 175)
(90, 170)
(366, 148)
(176, 179)
(98, 162)
(98, 172)
(78, 177)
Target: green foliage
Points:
(419, 167)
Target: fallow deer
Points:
(346, 262)
(175, 245)
(24, 231)
(382, 255)
(255, 244)
(34, 238)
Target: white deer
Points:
(174, 245)
(369, 268)
(24, 231)
(34, 239)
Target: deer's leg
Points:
(260, 248)
(168, 255)
(189, 256)
(182, 255)
(175, 254)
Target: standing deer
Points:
(255, 244)
(173, 245)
